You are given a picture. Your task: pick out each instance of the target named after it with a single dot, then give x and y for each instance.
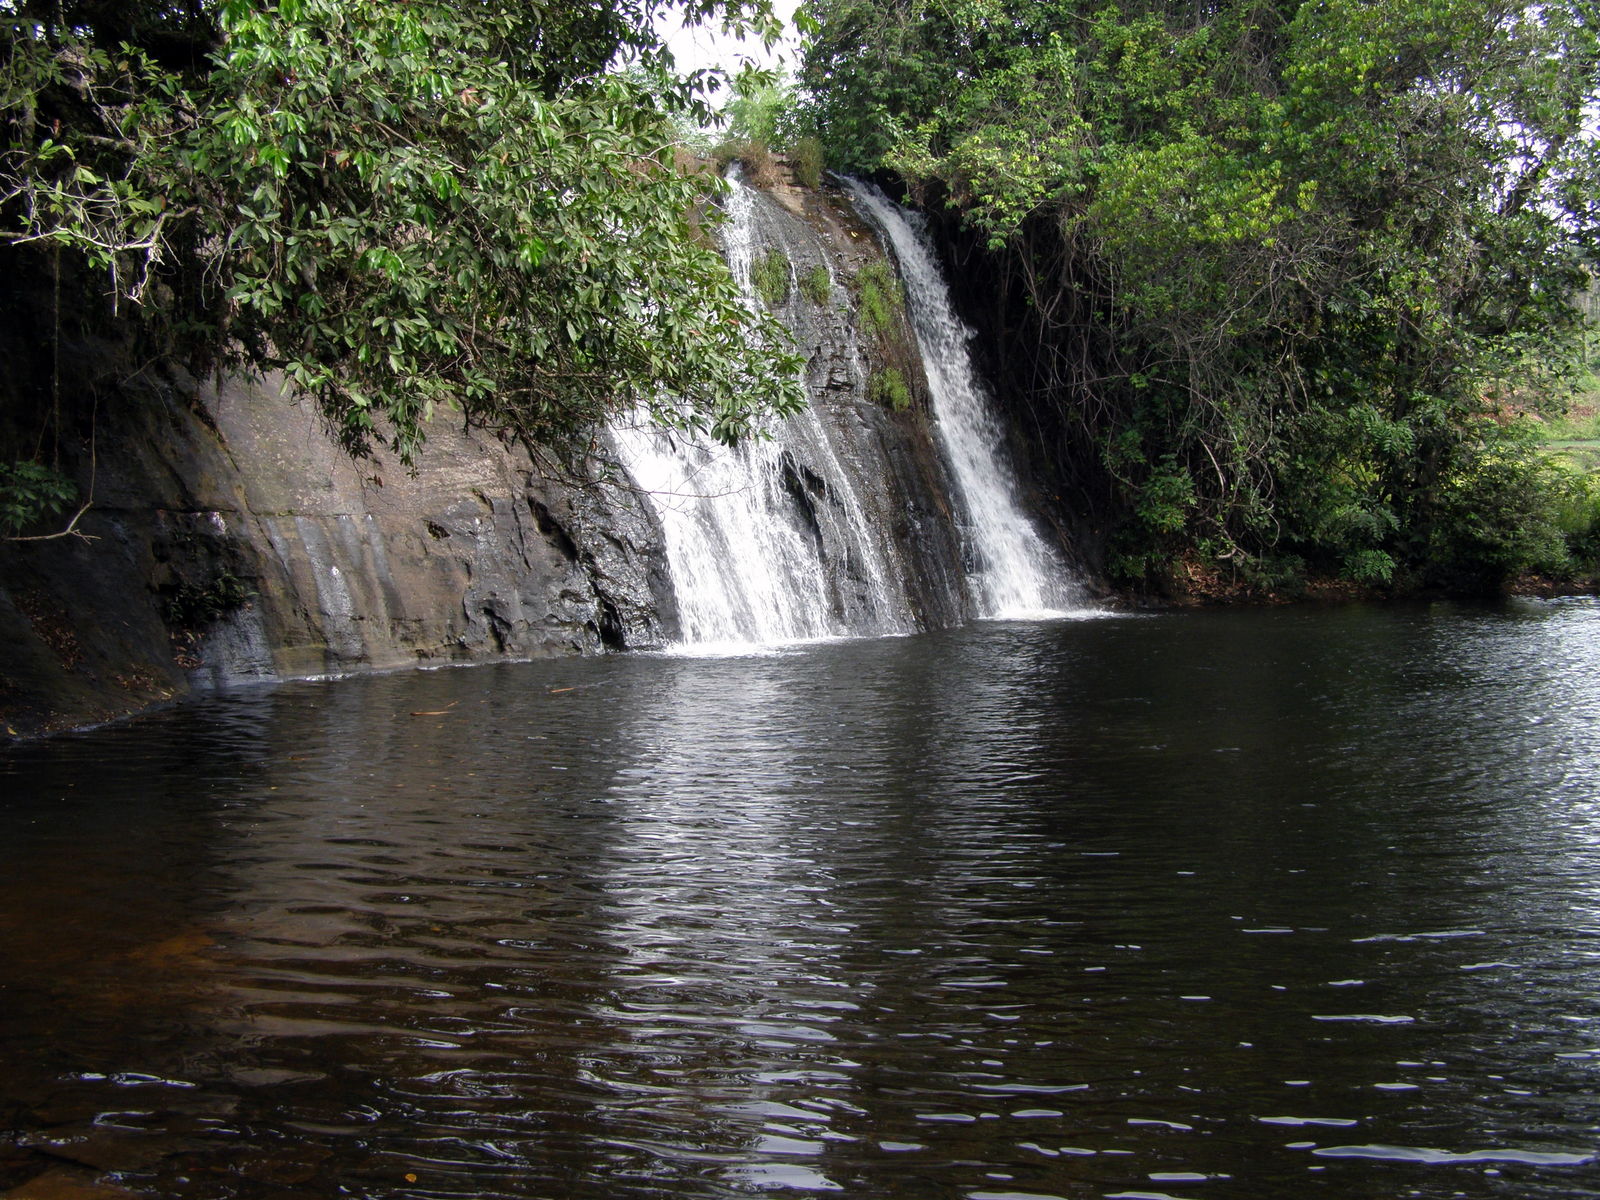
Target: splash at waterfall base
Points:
(232, 541)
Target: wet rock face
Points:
(617, 543)
(234, 541)
(366, 565)
(890, 457)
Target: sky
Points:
(708, 46)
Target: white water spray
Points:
(747, 529)
(1014, 572)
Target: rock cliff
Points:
(230, 540)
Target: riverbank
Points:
(1213, 593)
(84, 708)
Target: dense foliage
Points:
(1271, 275)
(398, 205)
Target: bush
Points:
(888, 387)
(816, 286)
(1368, 566)
(1580, 521)
(770, 274)
(195, 605)
(760, 171)
(30, 492)
(1508, 510)
(806, 158)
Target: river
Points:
(1301, 902)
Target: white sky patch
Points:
(702, 46)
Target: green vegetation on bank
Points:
(1574, 432)
(1278, 289)
(401, 206)
(761, 121)
(1264, 275)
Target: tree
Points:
(1269, 267)
(401, 206)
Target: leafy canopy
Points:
(1268, 265)
(400, 206)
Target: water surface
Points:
(1226, 905)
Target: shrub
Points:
(888, 387)
(760, 171)
(29, 492)
(816, 286)
(194, 605)
(1509, 509)
(805, 156)
(770, 274)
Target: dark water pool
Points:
(1233, 905)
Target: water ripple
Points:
(921, 918)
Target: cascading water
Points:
(835, 526)
(1015, 572)
(767, 542)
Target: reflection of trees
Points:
(108, 927)
(815, 863)
(697, 927)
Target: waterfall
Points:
(839, 524)
(1013, 572)
(768, 542)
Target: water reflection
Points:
(1219, 904)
